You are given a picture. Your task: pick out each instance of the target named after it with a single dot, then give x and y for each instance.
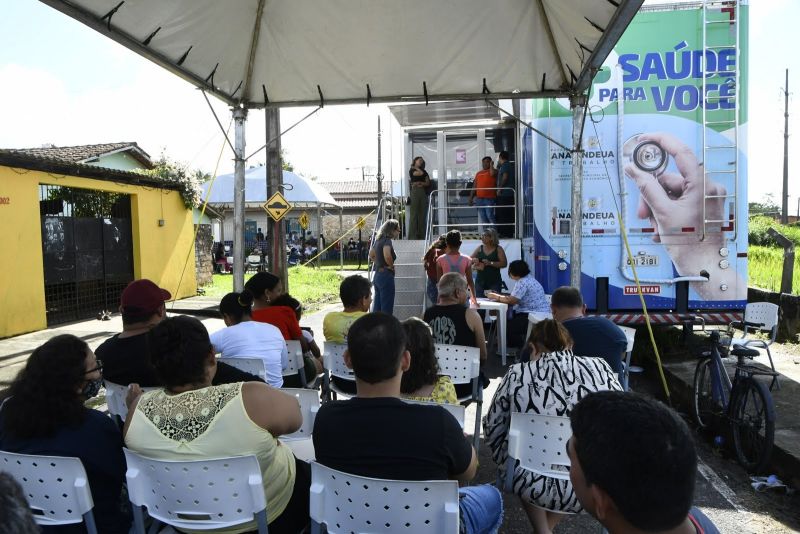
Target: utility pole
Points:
(277, 232)
(785, 203)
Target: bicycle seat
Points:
(744, 351)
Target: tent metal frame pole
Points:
(239, 119)
(578, 105)
(341, 248)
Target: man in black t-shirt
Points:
(375, 434)
(592, 335)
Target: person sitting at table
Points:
(487, 260)
(422, 381)
(452, 261)
(245, 338)
(551, 383)
(191, 419)
(526, 297)
(593, 335)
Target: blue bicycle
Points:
(744, 402)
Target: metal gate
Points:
(87, 247)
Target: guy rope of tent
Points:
(339, 238)
(202, 212)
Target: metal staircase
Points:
(409, 279)
(720, 32)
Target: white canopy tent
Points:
(271, 53)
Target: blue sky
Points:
(63, 83)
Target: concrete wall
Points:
(159, 252)
(121, 161)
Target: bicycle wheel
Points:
(752, 416)
(704, 408)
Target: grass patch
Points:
(314, 288)
(764, 268)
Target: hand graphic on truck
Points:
(674, 203)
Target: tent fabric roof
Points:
(306, 52)
(297, 190)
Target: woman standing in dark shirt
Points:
(45, 414)
(419, 182)
(383, 255)
(487, 260)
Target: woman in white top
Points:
(245, 338)
(190, 419)
(551, 383)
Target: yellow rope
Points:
(202, 212)
(644, 308)
(340, 238)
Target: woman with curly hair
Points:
(45, 414)
(422, 381)
(551, 383)
(191, 419)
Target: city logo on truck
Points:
(646, 290)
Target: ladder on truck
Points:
(720, 30)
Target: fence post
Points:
(788, 259)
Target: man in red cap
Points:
(125, 356)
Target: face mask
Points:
(92, 388)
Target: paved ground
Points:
(723, 491)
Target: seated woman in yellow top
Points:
(189, 419)
(422, 381)
(356, 294)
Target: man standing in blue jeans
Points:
(377, 435)
(485, 189)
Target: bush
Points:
(757, 231)
(765, 267)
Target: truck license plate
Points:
(644, 260)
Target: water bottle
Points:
(719, 441)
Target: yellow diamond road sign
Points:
(362, 222)
(303, 221)
(277, 206)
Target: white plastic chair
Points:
(115, 400)
(56, 488)
(296, 365)
(759, 317)
(456, 410)
(333, 361)
(463, 366)
(254, 366)
(539, 443)
(253, 262)
(350, 503)
(300, 441)
(630, 334)
(203, 494)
